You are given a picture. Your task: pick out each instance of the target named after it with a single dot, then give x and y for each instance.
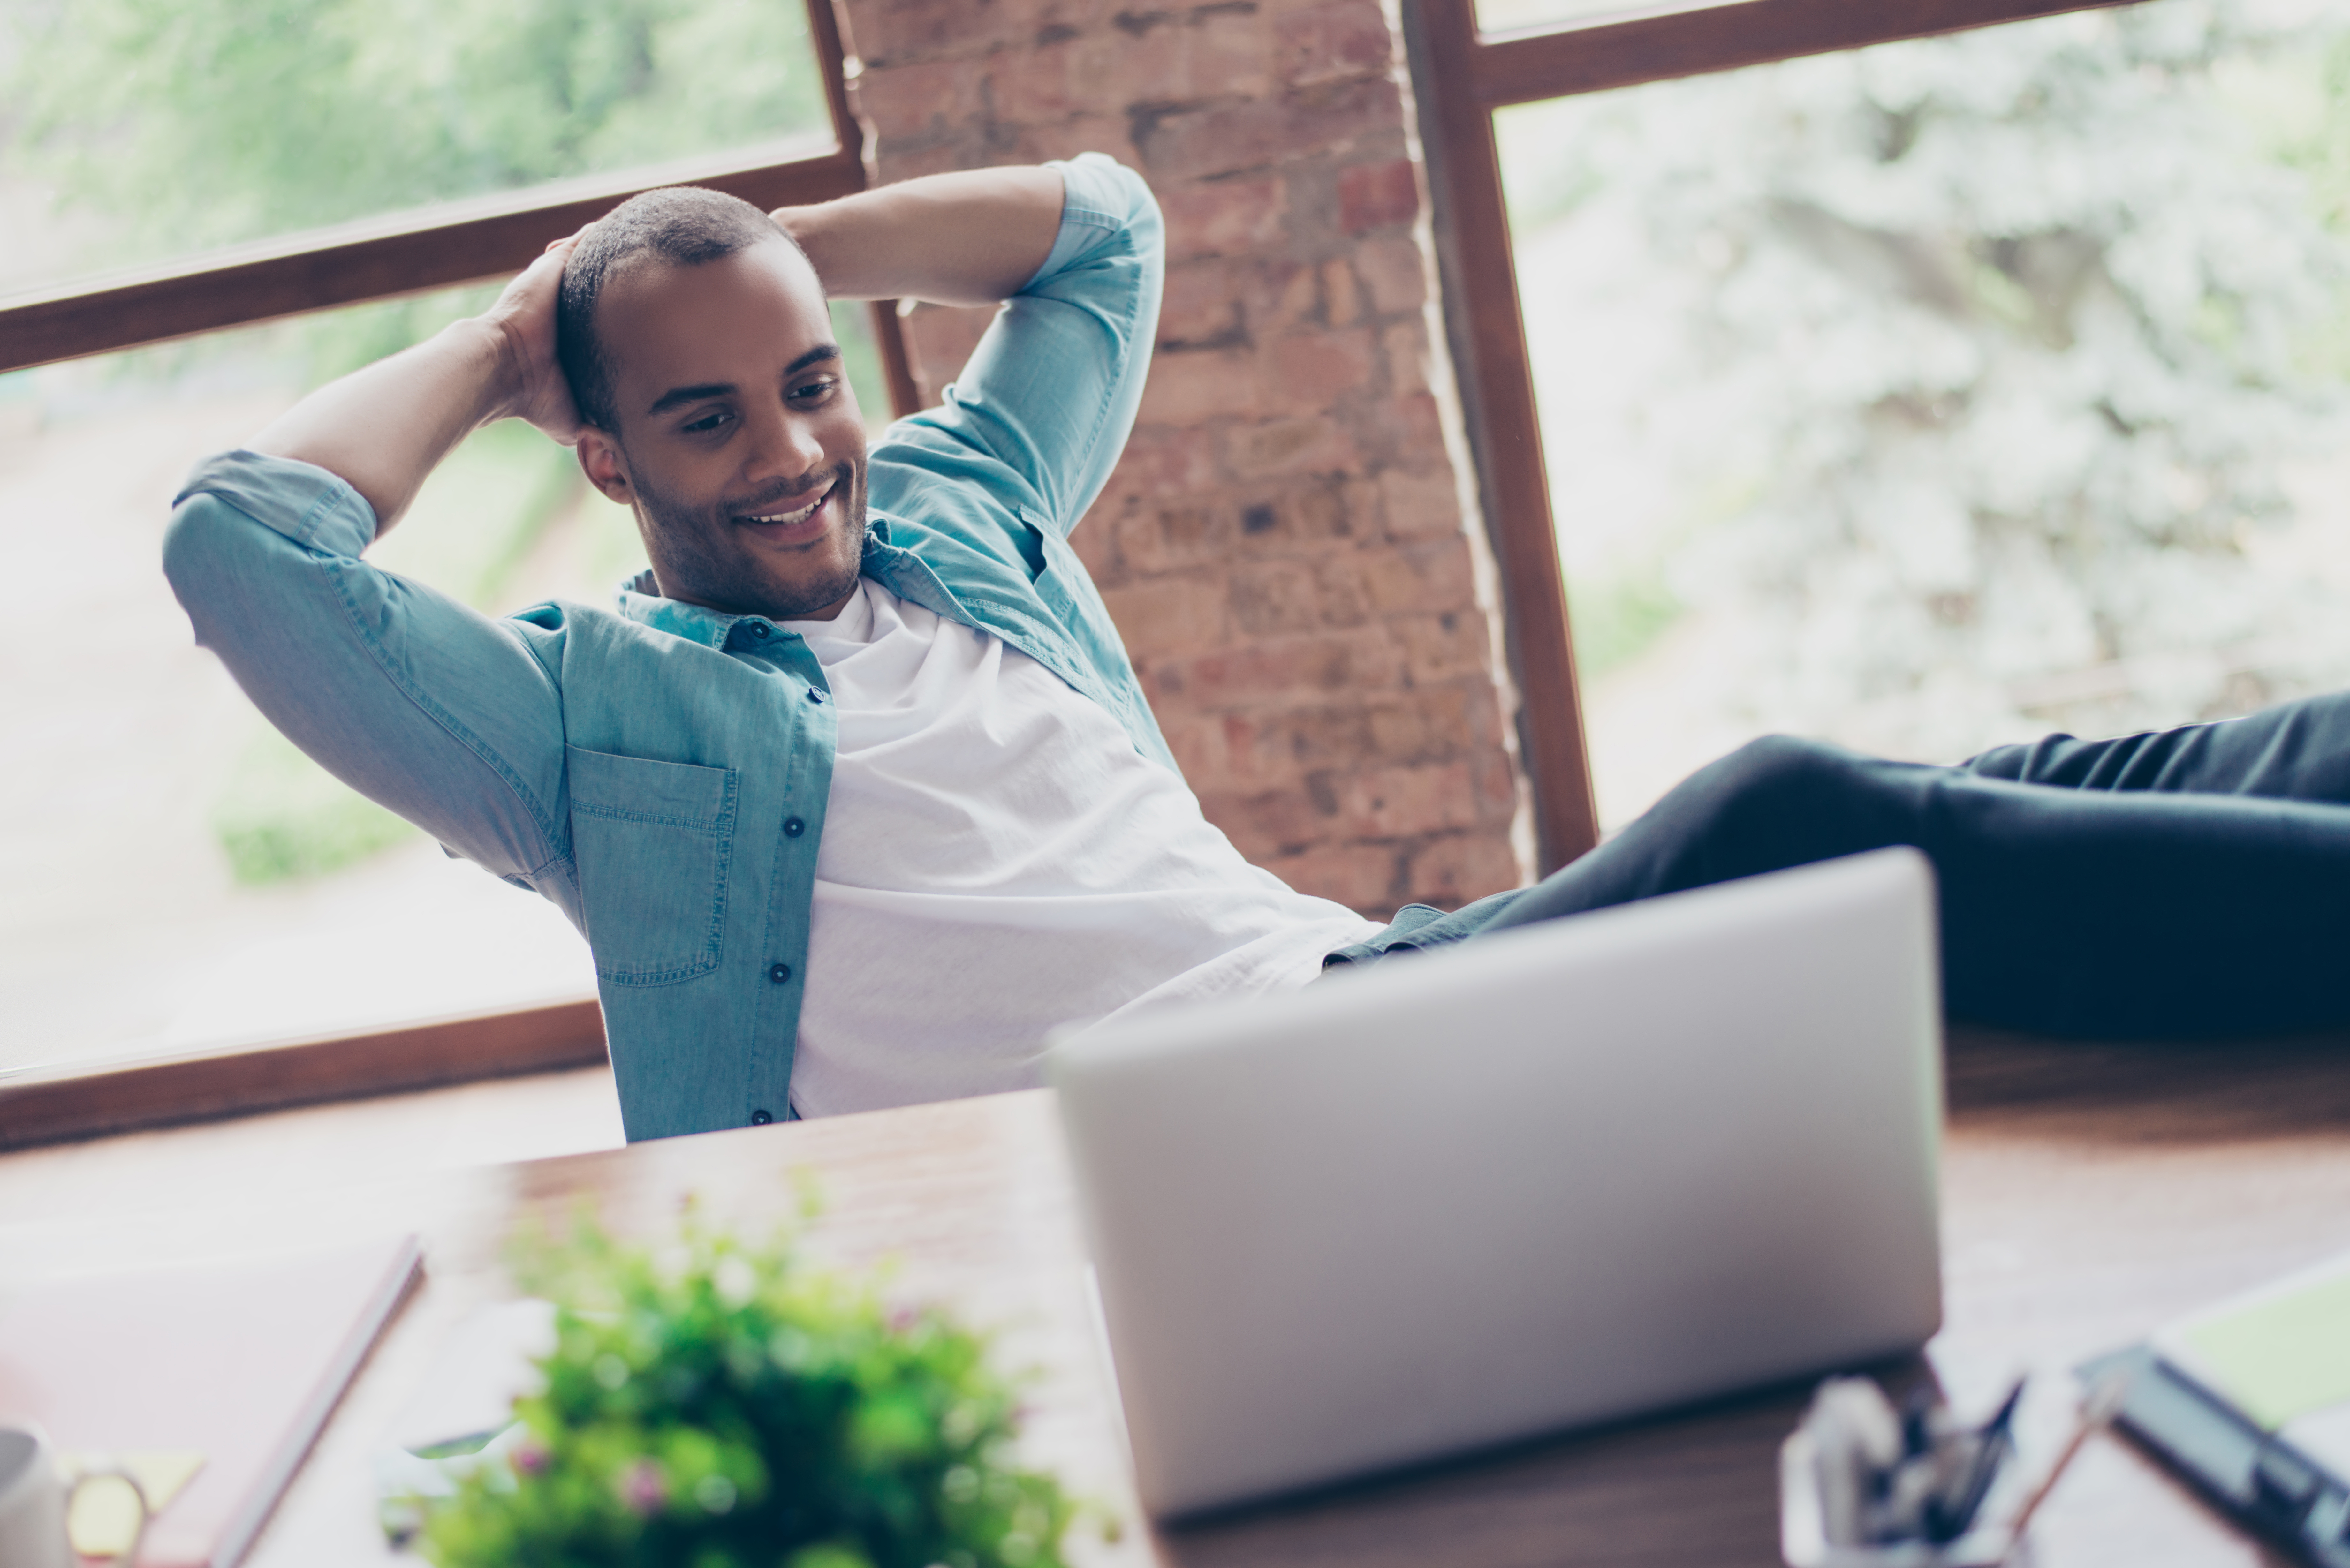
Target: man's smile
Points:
(805, 523)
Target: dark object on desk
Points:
(1948, 1516)
(1860, 1483)
(2256, 1478)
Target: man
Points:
(856, 796)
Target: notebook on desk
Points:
(2250, 1399)
(239, 1362)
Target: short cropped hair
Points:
(682, 225)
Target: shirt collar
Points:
(641, 601)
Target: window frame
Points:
(1461, 75)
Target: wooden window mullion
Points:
(1488, 330)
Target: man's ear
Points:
(600, 460)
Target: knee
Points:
(1785, 788)
(1773, 803)
(1786, 769)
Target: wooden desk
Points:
(2090, 1193)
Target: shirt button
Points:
(779, 972)
(815, 695)
(760, 1118)
(794, 828)
(758, 630)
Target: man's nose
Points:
(784, 447)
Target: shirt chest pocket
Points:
(652, 841)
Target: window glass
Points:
(173, 874)
(138, 132)
(1946, 393)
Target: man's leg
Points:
(2297, 751)
(2110, 909)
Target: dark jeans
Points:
(2184, 883)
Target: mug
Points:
(33, 1497)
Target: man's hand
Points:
(532, 384)
(970, 238)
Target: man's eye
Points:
(708, 423)
(815, 391)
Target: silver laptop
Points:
(1557, 1176)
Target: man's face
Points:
(740, 444)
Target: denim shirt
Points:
(659, 771)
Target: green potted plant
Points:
(737, 1406)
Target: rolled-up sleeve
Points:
(443, 715)
(1051, 390)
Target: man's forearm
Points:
(970, 238)
(383, 428)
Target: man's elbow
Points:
(190, 542)
(208, 549)
(1144, 222)
(1121, 209)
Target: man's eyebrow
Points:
(677, 395)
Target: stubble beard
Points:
(683, 538)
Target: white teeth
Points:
(799, 517)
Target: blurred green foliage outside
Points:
(186, 126)
(1955, 384)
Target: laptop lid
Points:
(1559, 1174)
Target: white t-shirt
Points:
(998, 860)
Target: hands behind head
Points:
(530, 376)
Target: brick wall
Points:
(1284, 546)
